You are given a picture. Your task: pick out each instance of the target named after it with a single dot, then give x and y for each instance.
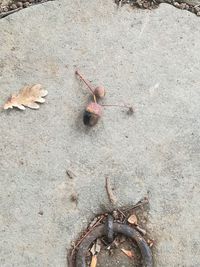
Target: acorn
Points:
(92, 114)
(99, 91)
(93, 111)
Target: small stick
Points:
(130, 109)
(86, 82)
(121, 213)
(112, 197)
(140, 203)
(121, 106)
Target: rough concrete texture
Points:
(149, 59)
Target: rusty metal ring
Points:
(126, 230)
(109, 227)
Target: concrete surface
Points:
(149, 59)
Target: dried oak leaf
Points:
(133, 219)
(27, 96)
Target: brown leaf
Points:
(93, 261)
(27, 96)
(133, 219)
(128, 253)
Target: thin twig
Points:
(130, 108)
(140, 203)
(116, 105)
(112, 197)
(87, 83)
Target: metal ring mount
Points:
(119, 228)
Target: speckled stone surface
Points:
(149, 59)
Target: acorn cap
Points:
(94, 108)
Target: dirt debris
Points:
(192, 6)
(140, 211)
(11, 6)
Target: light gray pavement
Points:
(150, 59)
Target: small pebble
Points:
(31, 1)
(146, 5)
(13, 6)
(197, 9)
(182, 5)
(19, 4)
(139, 2)
(176, 4)
(192, 9)
(5, 9)
(198, 13)
(26, 4)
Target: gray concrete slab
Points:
(149, 59)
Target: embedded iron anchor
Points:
(108, 230)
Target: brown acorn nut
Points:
(93, 111)
(99, 91)
(92, 114)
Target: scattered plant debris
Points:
(120, 242)
(95, 249)
(133, 219)
(150, 242)
(94, 110)
(27, 97)
(13, 6)
(97, 221)
(145, 4)
(151, 4)
(70, 174)
(128, 253)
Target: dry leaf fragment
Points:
(133, 219)
(96, 248)
(93, 250)
(27, 96)
(150, 242)
(93, 261)
(128, 253)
